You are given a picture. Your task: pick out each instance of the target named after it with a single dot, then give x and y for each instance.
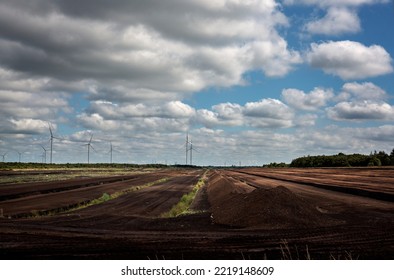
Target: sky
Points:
(251, 82)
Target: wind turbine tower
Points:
(52, 137)
(191, 152)
(50, 131)
(3, 155)
(89, 145)
(45, 154)
(187, 146)
(110, 150)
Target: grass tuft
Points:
(182, 207)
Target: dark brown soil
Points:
(276, 208)
(57, 196)
(255, 213)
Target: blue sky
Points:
(249, 81)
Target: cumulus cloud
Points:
(384, 133)
(356, 111)
(350, 60)
(341, 15)
(266, 113)
(26, 105)
(337, 21)
(24, 126)
(224, 114)
(114, 111)
(96, 121)
(125, 71)
(170, 116)
(186, 47)
(126, 52)
(328, 3)
(305, 120)
(359, 102)
(363, 91)
(312, 101)
(177, 116)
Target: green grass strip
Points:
(182, 207)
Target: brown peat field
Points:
(181, 213)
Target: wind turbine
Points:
(187, 145)
(110, 150)
(20, 156)
(52, 137)
(45, 154)
(191, 152)
(3, 155)
(89, 145)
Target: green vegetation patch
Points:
(182, 207)
(342, 160)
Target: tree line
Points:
(34, 165)
(380, 158)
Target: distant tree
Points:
(392, 157)
(343, 160)
(384, 158)
(276, 165)
(375, 161)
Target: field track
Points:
(242, 213)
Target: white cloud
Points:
(350, 60)
(224, 114)
(305, 120)
(39, 105)
(337, 21)
(178, 109)
(128, 47)
(328, 3)
(358, 111)
(268, 113)
(341, 15)
(96, 121)
(27, 126)
(107, 116)
(114, 111)
(364, 91)
(384, 133)
(312, 101)
(267, 108)
(228, 110)
(274, 57)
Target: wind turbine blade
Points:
(90, 141)
(50, 131)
